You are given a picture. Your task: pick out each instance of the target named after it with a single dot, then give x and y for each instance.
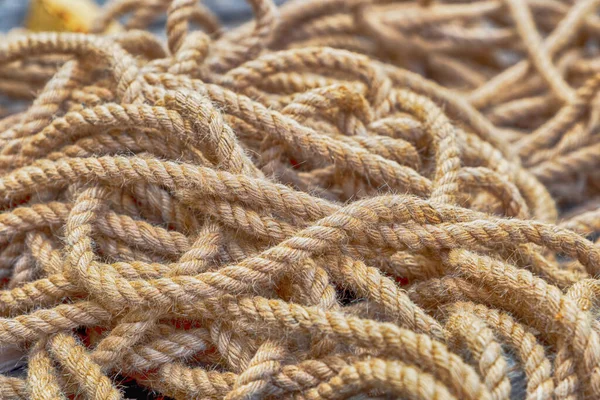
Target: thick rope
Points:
(341, 198)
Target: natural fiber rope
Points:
(344, 197)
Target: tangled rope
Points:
(344, 197)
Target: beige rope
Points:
(342, 198)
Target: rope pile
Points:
(343, 197)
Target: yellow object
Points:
(62, 15)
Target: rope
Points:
(341, 198)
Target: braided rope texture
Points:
(339, 199)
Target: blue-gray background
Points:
(231, 12)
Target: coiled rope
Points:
(343, 197)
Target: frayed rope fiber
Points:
(341, 198)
